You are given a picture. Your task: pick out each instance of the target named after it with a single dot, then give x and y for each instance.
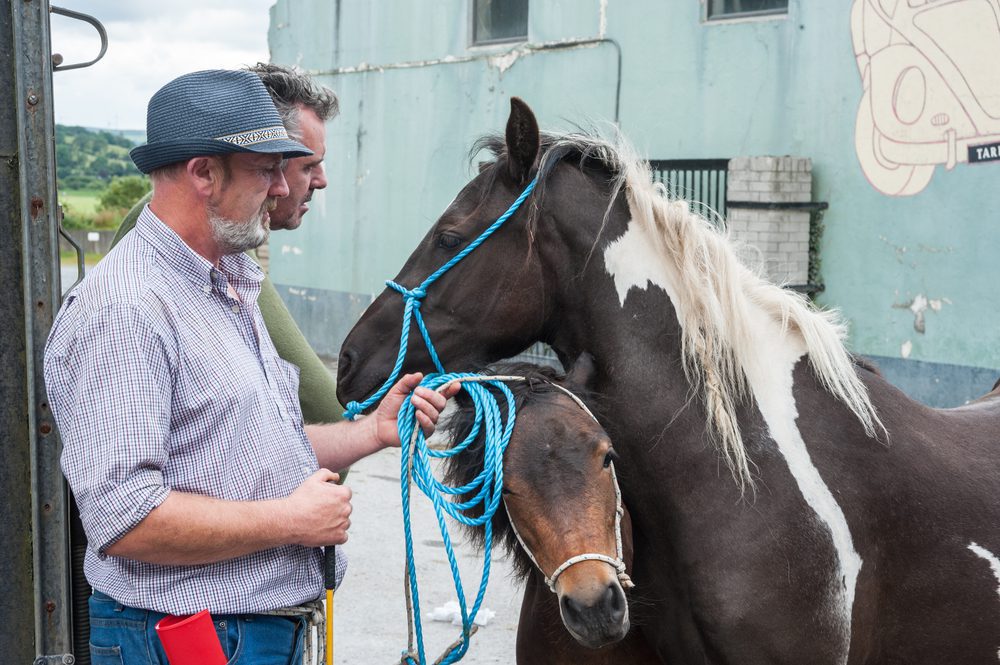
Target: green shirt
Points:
(317, 388)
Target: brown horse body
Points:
(849, 536)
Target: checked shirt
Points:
(160, 380)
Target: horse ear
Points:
(582, 374)
(522, 141)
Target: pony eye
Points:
(449, 241)
(609, 458)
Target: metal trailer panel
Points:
(34, 563)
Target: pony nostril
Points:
(571, 609)
(614, 603)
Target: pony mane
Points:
(717, 295)
(462, 468)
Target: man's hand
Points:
(428, 404)
(319, 511)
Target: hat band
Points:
(255, 136)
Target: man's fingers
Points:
(433, 397)
(326, 476)
(406, 384)
(450, 390)
(425, 423)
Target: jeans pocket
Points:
(105, 655)
(228, 630)
(117, 633)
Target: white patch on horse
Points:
(770, 376)
(634, 261)
(441, 439)
(994, 562)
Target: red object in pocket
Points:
(190, 640)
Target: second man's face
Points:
(304, 174)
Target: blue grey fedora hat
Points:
(212, 113)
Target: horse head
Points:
(561, 499)
(501, 297)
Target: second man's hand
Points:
(427, 403)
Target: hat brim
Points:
(151, 156)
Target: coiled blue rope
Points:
(411, 310)
(487, 487)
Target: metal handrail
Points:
(57, 65)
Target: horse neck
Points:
(628, 323)
(636, 348)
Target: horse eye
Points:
(609, 458)
(449, 241)
(504, 490)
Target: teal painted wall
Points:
(415, 95)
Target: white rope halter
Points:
(616, 562)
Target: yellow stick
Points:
(329, 627)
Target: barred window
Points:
(734, 8)
(499, 21)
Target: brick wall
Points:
(781, 236)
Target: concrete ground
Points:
(370, 609)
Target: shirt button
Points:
(207, 288)
(236, 309)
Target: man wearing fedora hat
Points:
(305, 107)
(197, 483)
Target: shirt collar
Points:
(188, 262)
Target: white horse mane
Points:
(717, 293)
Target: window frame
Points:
(708, 17)
(493, 42)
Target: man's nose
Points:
(318, 180)
(279, 186)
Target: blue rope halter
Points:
(413, 299)
(488, 486)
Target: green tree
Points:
(123, 192)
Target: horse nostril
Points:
(571, 609)
(344, 363)
(613, 602)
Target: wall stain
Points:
(918, 305)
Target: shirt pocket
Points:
(284, 378)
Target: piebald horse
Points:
(789, 505)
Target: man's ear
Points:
(206, 174)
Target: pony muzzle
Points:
(596, 615)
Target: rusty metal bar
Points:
(36, 499)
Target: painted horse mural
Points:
(788, 504)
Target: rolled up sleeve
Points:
(108, 375)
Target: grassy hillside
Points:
(97, 181)
(88, 159)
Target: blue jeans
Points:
(121, 635)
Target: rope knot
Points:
(417, 293)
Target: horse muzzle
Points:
(595, 618)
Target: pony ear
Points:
(522, 141)
(581, 376)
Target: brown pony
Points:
(560, 502)
(789, 505)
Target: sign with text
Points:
(987, 152)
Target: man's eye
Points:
(449, 241)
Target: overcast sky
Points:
(149, 43)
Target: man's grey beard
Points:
(234, 236)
